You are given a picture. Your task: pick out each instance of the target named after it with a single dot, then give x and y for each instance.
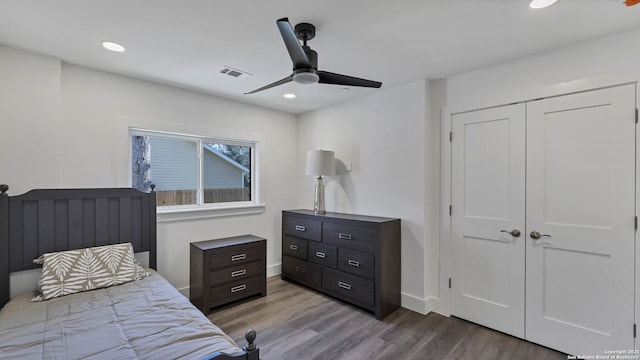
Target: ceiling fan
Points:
(305, 60)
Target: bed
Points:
(142, 319)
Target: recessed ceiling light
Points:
(113, 46)
(539, 4)
(290, 96)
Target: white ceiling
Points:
(187, 42)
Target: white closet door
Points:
(580, 192)
(487, 265)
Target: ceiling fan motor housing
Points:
(312, 55)
(305, 31)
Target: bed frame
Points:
(48, 220)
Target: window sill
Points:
(209, 212)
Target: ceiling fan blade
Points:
(339, 79)
(279, 82)
(297, 54)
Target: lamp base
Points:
(318, 200)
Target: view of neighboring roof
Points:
(226, 158)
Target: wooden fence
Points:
(185, 197)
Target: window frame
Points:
(201, 209)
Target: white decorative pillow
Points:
(69, 272)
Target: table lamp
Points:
(320, 162)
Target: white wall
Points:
(29, 120)
(599, 62)
(387, 137)
(66, 126)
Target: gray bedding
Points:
(144, 319)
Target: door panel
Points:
(557, 292)
(487, 266)
(488, 285)
(573, 141)
(580, 191)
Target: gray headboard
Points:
(48, 220)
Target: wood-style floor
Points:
(294, 322)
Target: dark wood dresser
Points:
(226, 270)
(355, 258)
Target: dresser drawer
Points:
(304, 228)
(349, 236)
(349, 286)
(300, 270)
(295, 247)
(357, 263)
(238, 256)
(321, 254)
(235, 290)
(236, 272)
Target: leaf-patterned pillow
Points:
(69, 272)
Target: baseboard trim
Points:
(184, 291)
(273, 270)
(421, 306)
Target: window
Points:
(191, 171)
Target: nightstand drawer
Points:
(295, 247)
(346, 236)
(236, 272)
(349, 286)
(238, 256)
(302, 271)
(356, 263)
(235, 290)
(321, 254)
(304, 228)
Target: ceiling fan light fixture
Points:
(539, 4)
(306, 78)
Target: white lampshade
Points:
(320, 162)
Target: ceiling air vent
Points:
(233, 72)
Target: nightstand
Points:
(226, 270)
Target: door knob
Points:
(536, 235)
(514, 232)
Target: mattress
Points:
(143, 319)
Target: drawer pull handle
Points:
(238, 273)
(354, 263)
(300, 270)
(320, 254)
(344, 236)
(301, 228)
(344, 285)
(238, 288)
(238, 257)
(293, 247)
